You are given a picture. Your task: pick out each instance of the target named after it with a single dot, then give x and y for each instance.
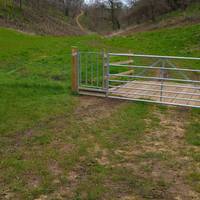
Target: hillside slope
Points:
(43, 20)
(172, 19)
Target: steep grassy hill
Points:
(57, 145)
(45, 19)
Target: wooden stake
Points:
(74, 80)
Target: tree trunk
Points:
(66, 8)
(112, 15)
(20, 4)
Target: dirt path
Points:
(118, 33)
(163, 156)
(78, 22)
(153, 166)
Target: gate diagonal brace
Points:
(152, 65)
(175, 67)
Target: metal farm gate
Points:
(157, 79)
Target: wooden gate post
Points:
(74, 77)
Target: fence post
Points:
(162, 81)
(104, 69)
(107, 73)
(74, 75)
(130, 58)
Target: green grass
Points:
(162, 42)
(34, 74)
(35, 70)
(193, 133)
(153, 155)
(194, 179)
(43, 137)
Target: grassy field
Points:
(56, 145)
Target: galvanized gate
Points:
(91, 71)
(158, 79)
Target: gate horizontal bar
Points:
(90, 52)
(151, 67)
(151, 101)
(151, 95)
(89, 86)
(153, 56)
(164, 91)
(154, 84)
(92, 89)
(155, 78)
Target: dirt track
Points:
(78, 22)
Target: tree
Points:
(18, 2)
(66, 7)
(114, 7)
(142, 10)
(179, 4)
(71, 7)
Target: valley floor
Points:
(58, 145)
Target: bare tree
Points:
(72, 7)
(66, 6)
(18, 3)
(114, 7)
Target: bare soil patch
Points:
(161, 155)
(91, 109)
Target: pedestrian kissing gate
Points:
(159, 79)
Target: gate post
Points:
(74, 73)
(107, 73)
(104, 57)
